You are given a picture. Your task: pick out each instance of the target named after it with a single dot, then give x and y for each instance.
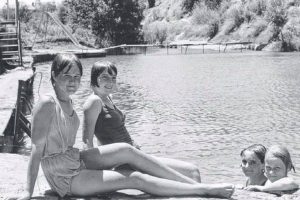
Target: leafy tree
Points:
(24, 13)
(81, 12)
(151, 3)
(118, 21)
(62, 14)
(188, 5)
(114, 22)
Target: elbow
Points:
(294, 185)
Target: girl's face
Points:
(251, 165)
(275, 169)
(68, 80)
(107, 82)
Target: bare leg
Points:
(185, 168)
(109, 156)
(90, 182)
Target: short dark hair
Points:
(63, 60)
(98, 68)
(259, 150)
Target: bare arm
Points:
(40, 126)
(284, 184)
(91, 110)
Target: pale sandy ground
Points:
(13, 179)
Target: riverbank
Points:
(13, 180)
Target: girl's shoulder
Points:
(45, 103)
(92, 102)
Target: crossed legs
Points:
(154, 177)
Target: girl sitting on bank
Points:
(103, 119)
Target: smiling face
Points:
(68, 80)
(107, 82)
(251, 164)
(275, 168)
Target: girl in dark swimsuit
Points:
(104, 120)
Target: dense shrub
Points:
(151, 3)
(62, 14)
(24, 13)
(156, 32)
(276, 12)
(202, 14)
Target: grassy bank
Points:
(271, 24)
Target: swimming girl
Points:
(277, 165)
(70, 171)
(103, 119)
(253, 164)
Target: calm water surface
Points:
(204, 108)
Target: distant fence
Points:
(125, 49)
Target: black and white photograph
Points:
(149, 99)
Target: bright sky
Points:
(29, 2)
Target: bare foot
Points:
(222, 190)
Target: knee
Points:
(126, 149)
(195, 173)
(139, 179)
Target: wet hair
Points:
(259, 150)
(98, 68)
(283, 154)
(62, 61)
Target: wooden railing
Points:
(18, 125)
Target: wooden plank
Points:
(7, 33)
(7, 22)
(9, 52)
(11, 58)
(8, 39)
(9, 45)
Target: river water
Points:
(204, 108)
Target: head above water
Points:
(62, 62)
(258, 149)
(281, 153)
(98, 68)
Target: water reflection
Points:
(205, 108)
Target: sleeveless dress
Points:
(60, 161)
(110, 126)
